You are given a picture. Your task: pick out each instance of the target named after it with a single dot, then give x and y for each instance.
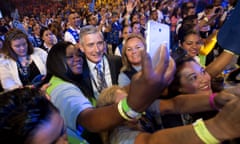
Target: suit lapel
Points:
(87, 77)
(111, 68)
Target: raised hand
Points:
(227, 121)
(234, 90)
(147, 85)
(223, 97)
(130, 6)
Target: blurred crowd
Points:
(89, 66)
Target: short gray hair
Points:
(89, 29)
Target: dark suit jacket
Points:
(115, 64)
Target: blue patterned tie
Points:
(100, 78)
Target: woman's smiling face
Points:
(20, 47)
(74, 59)
(192, 44)
(194, 79)
(133, 50)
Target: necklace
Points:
(24, 68)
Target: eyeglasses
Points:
(71, 57)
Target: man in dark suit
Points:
(92, 44)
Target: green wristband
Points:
(129, 111)
(125, 105)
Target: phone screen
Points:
(157, 35)
(1, 16)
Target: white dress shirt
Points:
(93, 74)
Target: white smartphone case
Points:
(157, 35)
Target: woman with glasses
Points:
(78, 112)
(67, 92)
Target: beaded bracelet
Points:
(203, 133)
(212, 103)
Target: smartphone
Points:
(1, 16)
(157, 36)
